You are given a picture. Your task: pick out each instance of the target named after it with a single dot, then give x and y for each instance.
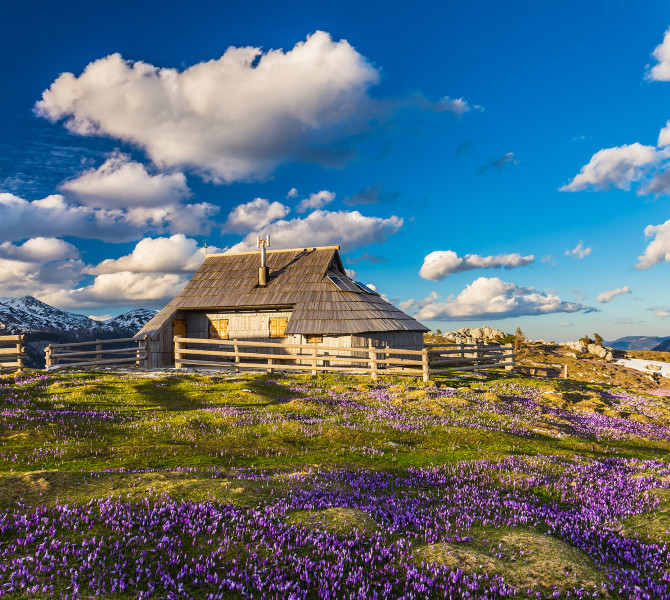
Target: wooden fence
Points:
(105, 353)
(447, 358)
(238, 354)
(12, 358)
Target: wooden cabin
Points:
(300, 296)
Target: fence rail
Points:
(12, 353)
(62, 356)
(433, 358)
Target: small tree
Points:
(586, 340)
(519, 339)
(598, 339)
(438, 332)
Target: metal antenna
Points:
(205, 248)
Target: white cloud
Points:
(353, 274)
(412, 304)
(614, 167)
(254, 215)
(661, 70)
(232, 118)
(608, 295)
(579, 251)
(55, 216)
(39, 249)
(566, 324)
(662, 314)
(146, 289)
(442, 263)
(100, 317)
(38, 264)
(122, 183)
(658, 250)
(493, 298)
(323, 228)
(316, 201)
(292, 193)
(664, 136)
(176, 254)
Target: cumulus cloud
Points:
(351, 273)
(614, 167)
(658, 250)
(495, 299)
(56, 216)
(122, 183)
(442, 263)
(324, 228)
(38, 264)
(608, 295)
(236, 117)
(176, 254)
(39, 249)
(233, 118)
(316, 201)
(579, 251)
(292, 193)
(661, 70)
(254, 215)
(122, 288)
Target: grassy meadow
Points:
(162, 485)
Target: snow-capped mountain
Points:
(43, 324)
(133, 320)
(29, 315)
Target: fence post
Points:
(270, 362)
(177, 353)
(477, 355)
(98, 349)
(19, 352)
(373, 360)
(424, 364)
(565, 371)
(510, 348)
(147, 352)
(236, 348)
(315, 353)
(460, 347)
(47, 358)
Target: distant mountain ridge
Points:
(638, 342)
(43, 324)
(663, 346)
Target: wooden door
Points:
(178, 328)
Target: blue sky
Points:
(480, 163)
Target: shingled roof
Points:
(299, 280)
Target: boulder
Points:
(576, 346)
(600, 352)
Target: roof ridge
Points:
(274, 251)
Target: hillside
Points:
(199, 486)
(43, 324)
(637, 342)
(663, 346)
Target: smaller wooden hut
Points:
(302, 296)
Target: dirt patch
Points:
(335, 520)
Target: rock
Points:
(576, 346)
(469, 335)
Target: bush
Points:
(586, 340)
(598, 339)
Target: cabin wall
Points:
(255, 326)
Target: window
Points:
(277, 327)
(218, 330)
(314, 339)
